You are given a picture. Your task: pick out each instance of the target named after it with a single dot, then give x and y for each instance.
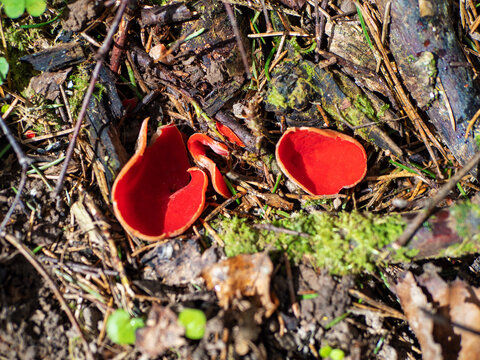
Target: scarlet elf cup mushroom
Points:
(321, 161)
(197, 144)
(157, 194)
(229, 134)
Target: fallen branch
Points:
(86, 100)
(24, 162)
(442, 193)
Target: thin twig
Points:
(442, 193)
(265, 14)
(24, 162)
(471, 123)
(318, 38)
(320, 23)
(238, 37)
(51, 135)
(78, 267)
(278, 33)
(270, 227)
(86, 100)
(224, 205)
(447, 104)
(51, 283)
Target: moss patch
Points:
(343, 243)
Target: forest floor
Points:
(279, 268)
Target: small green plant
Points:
(327, 352)
(121, 327)
(193, 320)
(15, 8)
(3, 69)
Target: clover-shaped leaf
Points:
(15, 8)
(35, 7)
(121, 327)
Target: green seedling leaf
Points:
(3, 69)
(13, 8)
(121, 327)
(35, 7)
(337, 354)
(325, 351)
(193, 320)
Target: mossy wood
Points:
(217, 48)
(429, 56)
(355, 242)
(296, 84)
(102, 112)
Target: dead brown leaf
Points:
(47, 83)
(446, 326)
(241, 276)
(162, 332)
(413, 300)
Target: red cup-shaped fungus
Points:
(157, 194)
(197, 144)
(321, 161)
(229, 134)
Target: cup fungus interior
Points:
(322, 162)
(156, 194)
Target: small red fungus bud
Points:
(321, 162)
(229, 134)
(196, 145)
(129, 104)
(157, 194)
(30, 134)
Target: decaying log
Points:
(104, 137)
(435, 71)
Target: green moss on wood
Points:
(343, 243)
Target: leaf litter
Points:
(282, 270)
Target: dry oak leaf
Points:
(453, 303)
(245, 275)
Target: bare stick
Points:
(241, 48)
(24, 162)
(51, 283)
(320, 23)
(442, 193)
(99, 56)
(318, 38)
(270, 227)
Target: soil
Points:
(283, 308)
